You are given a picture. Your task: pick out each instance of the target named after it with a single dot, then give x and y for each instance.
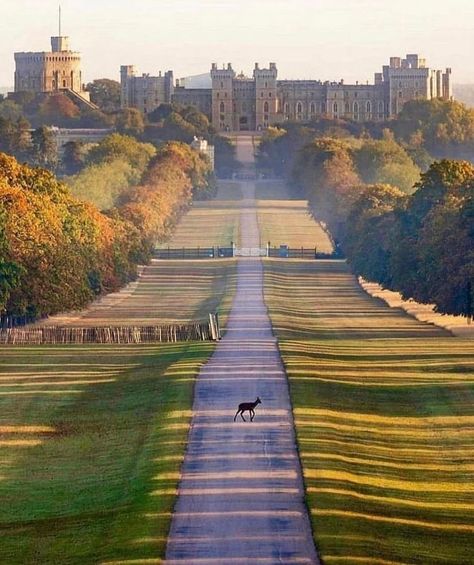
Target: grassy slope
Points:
(91, 438)
(384, 412)
(212, 222)
(288, 222)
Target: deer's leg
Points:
(242, 416)
(252, 415)
(236, 414)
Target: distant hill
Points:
(464, 93)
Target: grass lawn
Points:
(210, 223)
(169, 291)
(384, 413)
(285, 221)
(91, 442)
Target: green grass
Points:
(92, 439)
(384, 413)
(210, 223)
(169, 291)
(288, 222)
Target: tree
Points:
(385, 161)
(446, 128)
(10, 110)
(105, 93)
(73, 158)
(58, 110)
(122, 147)
(130, 121)
(44, 148)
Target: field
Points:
(168, 292)
(92, 440)
(384, 413)
(210, 223)
(288, 222)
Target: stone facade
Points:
(239, 103)
(50, 71)
(145, 92)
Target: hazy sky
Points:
(318, 39)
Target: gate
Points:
(250, 252)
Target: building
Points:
(58, 70)
(235, 102)
(145, 92)
(63, 136)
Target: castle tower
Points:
(222, 97)
(266, 96)
(53, 71)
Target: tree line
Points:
(58, 253)
(406, 225)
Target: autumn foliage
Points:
(57, 253)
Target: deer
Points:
(247, 407)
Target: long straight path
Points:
(241, 497)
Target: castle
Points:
(239, 103)
(58, 70)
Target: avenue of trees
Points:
(58, 252)
(403, 221)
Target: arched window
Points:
(222, 107)
(312, 108)
(265, 107)
(287, 109)
(299, 108)
(368, 107)
(334, 108)
(346, 108)
(323, 107)
(381, 107)
(356, 108)
(64, 84)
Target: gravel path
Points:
(241, 493)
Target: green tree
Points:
(10, 110)
(122, 147)
(385, 161)
(130, 121)
(44, 148)
(105, 93)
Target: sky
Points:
(317, 39)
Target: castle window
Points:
(334, 108)
(368, 107)
(381, 107)
(222, 84)
(266, 85)
(265, 108)
(269, 95)
(64, 84)
(287, 109)
(346, 108)
(299, 108)
(323, 107)
(222, 107)
(312, 108)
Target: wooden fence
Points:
(107, 334)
